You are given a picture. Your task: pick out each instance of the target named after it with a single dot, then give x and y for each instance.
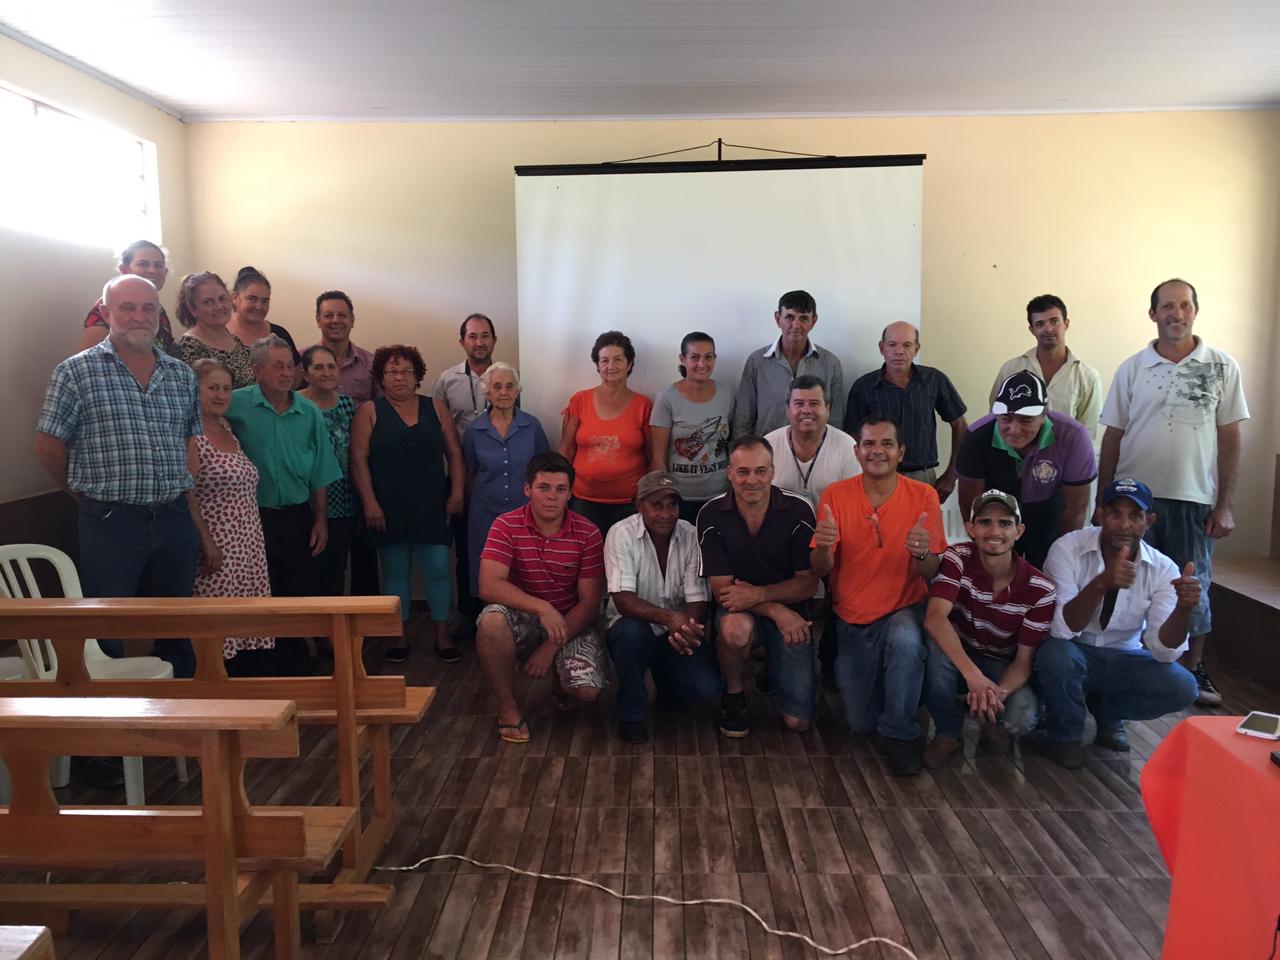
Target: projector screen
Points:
(660, 250)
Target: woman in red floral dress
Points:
(233, 562)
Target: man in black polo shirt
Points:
(1042, 458)
(912, 394)
(755, 555)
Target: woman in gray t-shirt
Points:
(690, 427)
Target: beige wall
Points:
(49, 285)
(417, 223)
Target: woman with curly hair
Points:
(398, 452)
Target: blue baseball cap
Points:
(1135, 490)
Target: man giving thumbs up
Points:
(879, 535)
(1121, 621)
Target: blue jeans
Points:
(1179, 534)
(942, 681)
(789, 667)
(1120, 684)
(122, 545)
(635, 648)
(880, 670)
(397, 575)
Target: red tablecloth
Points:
(1213, 799)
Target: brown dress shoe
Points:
(995, 741)
(940, 750)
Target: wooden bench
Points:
(361, 708)
(26, 943)
(243, 850)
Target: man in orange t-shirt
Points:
(879, 536)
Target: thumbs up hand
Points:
(827, 532)
(918, 537)
(1187, 587)
(1120, 571)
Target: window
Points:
(73, 179)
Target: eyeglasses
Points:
(874, 519)
(695, 357)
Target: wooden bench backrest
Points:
(35, 829)
(133, 715)
(207, 620)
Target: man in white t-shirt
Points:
(1173, 417)
(809, 453)
(808, 456)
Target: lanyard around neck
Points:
(804, 477)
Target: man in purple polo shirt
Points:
(335, 316)
(1041, 457)
(542, 578)
(989, 610)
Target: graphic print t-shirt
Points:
(698, 453)
(1170, 414)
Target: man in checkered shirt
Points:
(116, 433)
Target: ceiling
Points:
(546, 59)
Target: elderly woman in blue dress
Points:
(496, 448)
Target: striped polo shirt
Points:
(547, 568)
(988, 623)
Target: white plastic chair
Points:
(17, 580)
(952, 521)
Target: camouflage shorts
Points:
(580, 662)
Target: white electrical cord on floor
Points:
(720, 901)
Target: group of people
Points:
(715, 522)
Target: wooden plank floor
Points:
(987, 858)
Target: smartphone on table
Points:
(1259, 724)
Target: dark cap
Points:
(659, 481)
(1006, 500)
(1135, 490)
(1022, 394)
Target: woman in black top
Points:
(398, 452)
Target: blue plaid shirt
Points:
(125, 444)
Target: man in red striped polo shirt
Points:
(542, 578)
(989, 609)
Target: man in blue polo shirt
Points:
(1039, 456)
(115, 433)
(755, 556)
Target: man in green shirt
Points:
(284, 434)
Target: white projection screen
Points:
(659, 250)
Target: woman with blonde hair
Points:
(224, 505)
